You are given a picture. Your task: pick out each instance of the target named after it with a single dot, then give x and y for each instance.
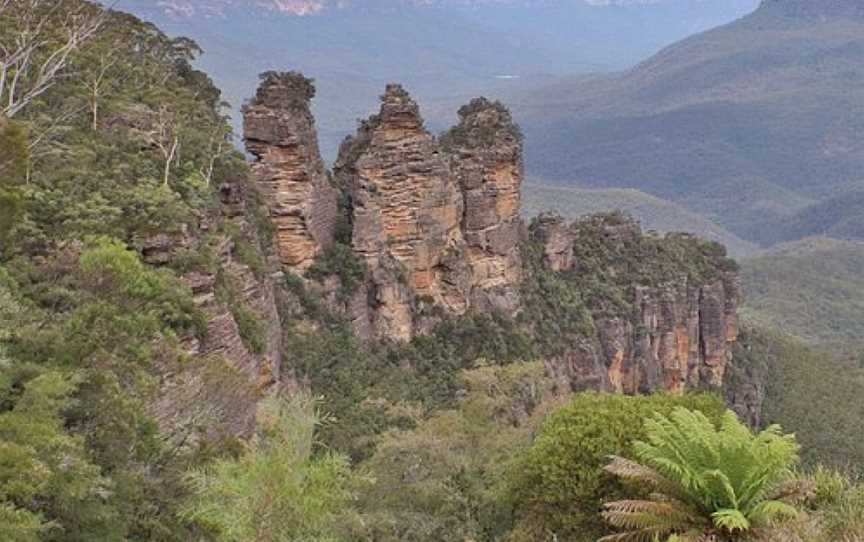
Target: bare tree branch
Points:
(43, 45)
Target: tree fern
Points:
(708, 482)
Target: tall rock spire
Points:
(280, 133)
(486, 154)
(407, 211)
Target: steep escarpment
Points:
(663, 309)
(486, 157)
(139, 284)
(431, 239)
(406, 210)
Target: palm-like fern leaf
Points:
(706, 479)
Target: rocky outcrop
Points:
(406, 211)
(485, 149)
(434, 225)
(215, 392)
(280, 133)
(676, 332)
(553, 234)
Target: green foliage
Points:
(14, 156)
(97, 164)
(609, 250)
(100, 323)
(840, 507)
(557, 486)
(812, 289)
(339, 260)
(813, 393)
(556, 309)
(19, 525)
(77, 300)
(441, 479)
(706, 479)
(277, 489)
(249, 324)
(47, 482)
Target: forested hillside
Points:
(199, 347)
(114, 147)
(810, 288)
(754, 125)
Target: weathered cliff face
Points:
(216, 392)
(553, 233)
(434, 225)
(673, 332)
(485, 149)
(280, 132)
(406, 214)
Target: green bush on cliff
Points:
(557, 486)
(339, 260)
(281, 488)
(84, 333)
(440, 479)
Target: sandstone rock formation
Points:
(486, 156)
(216, 391)
(406, 215)
(679, 334)
(280, 132)
(552, 232)
(435, 227)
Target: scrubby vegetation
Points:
(559, 485)
(123, 147)
(281, 488)
(812, 289)
(816, 394)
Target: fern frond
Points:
(730, 520)
(633, 471)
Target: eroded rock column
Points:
(486, 157)
(406, 215)
(280, 133)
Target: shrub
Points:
(557, 486)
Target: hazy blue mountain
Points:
(749, 124)
(652, 212)
(444, 51)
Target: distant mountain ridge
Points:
(445, 52)
(748, 124)
(814, 8)
(191, 8)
